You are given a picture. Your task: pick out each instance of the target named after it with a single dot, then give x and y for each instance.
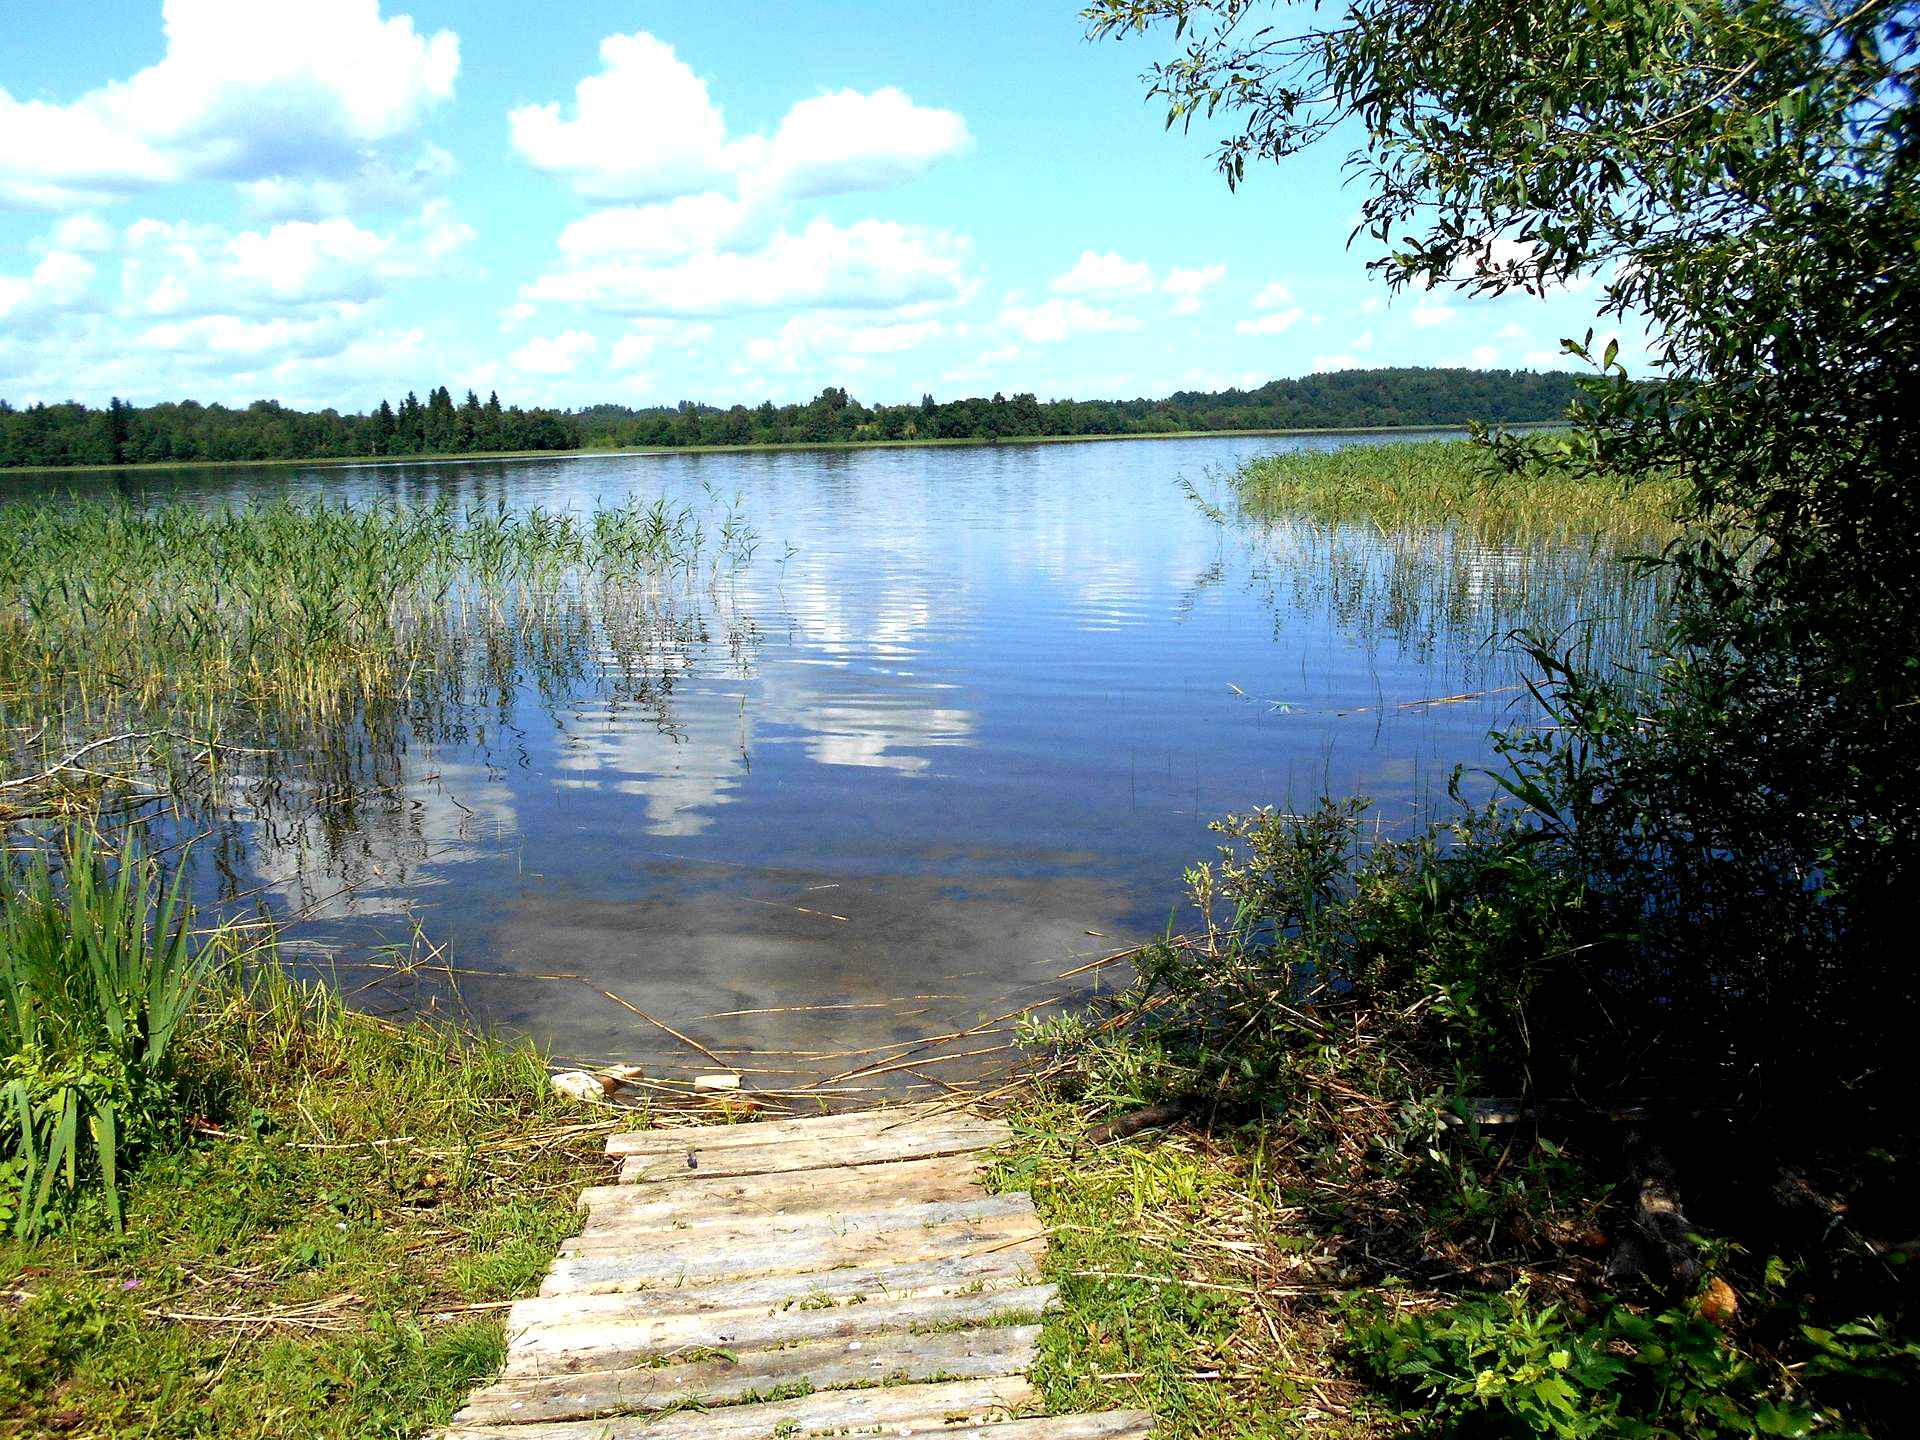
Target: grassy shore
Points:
(326, 1260)
(321, 1215)
(321, 1211)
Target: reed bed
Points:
(138, 644)
(1423, 546)
(1450, 483)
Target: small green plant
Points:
(1499, 1364)
(1453, 929)
(1496, 1357)
(98, 974)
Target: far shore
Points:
(337, 462)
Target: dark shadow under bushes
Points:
(1479, 1088)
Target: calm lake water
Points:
(955, 728)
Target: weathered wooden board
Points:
(766, 1132)
(649, 1261)
(896, 1409)
(1009, 1268)
(722, 1229)
(615, 1344)
(693, 1161)
(904, 1182)
(726, 1378)
(854, 1258)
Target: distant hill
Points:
(75, 434)
(1342, 400)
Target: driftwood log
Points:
(1150, 1117)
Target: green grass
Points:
(1422, 545)
(326, 1214)
(1448, 482)
(1175, 1258)
(167, 638)
(339, 1246)
(292, 599)
(97, 977)
(1335, 1241)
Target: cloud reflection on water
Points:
(986, 703)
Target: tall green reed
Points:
(1423, 544)
(1449, 482)
(183, 629)
(99, 973)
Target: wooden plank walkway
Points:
(787, 1279)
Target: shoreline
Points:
(349, 462)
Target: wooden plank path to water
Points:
(794, 1278)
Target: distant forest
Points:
(125, 434)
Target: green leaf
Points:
(1772, 1419)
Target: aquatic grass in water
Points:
(1450, 483)
(172, 632)
(1423, 544)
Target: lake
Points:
(951, 724)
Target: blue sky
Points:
(327, 201)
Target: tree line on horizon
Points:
(71, 433)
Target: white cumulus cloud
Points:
(700, 222)
(869, 264)
(180, 267)
(825, 341)
(553, 354)
(1188, 284)
(1105, 274)
(669, 231)
(646, 337)
(233, 337)
(57, 283)
(1274, 322)
(833, 144)
(1051, 321)
(82, 232)
(382, 182)
(645, 128)
(245, 91)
